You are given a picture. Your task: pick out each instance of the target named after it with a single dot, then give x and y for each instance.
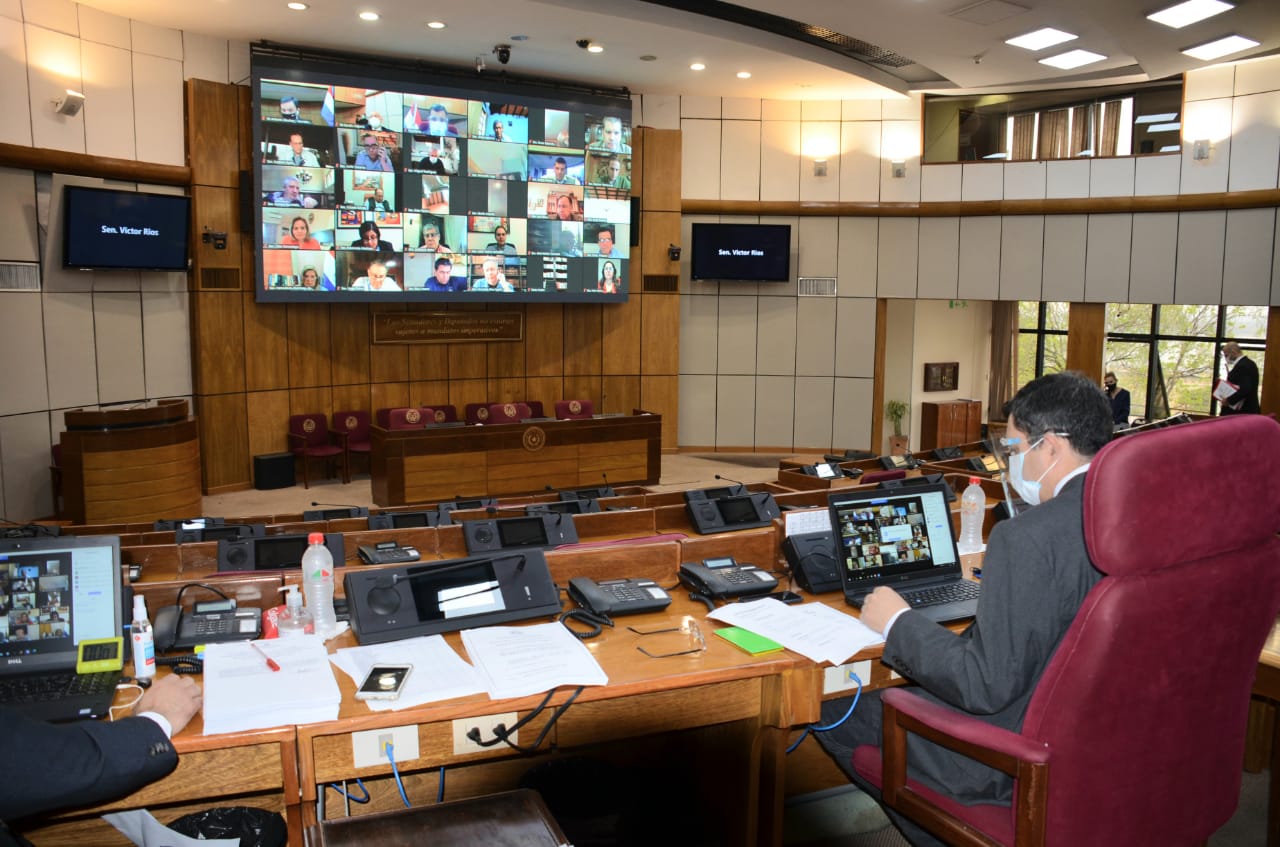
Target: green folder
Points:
(748, 640)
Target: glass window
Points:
(1130, 362)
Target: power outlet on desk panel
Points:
(368, 748)
(840, 677)
(463, 743)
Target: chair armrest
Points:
(962, 733)
(296, 440)
(342, 435)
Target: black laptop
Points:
(55, 593)
(902, 539)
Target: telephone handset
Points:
(724, 577)
(618, 596)
(387, 553)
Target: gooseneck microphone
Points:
(338, 505)
(734, 481)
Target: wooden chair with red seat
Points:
(311, 440)
(1135, 733)
(407, 419)
(352, 430)
(535, 408)
(573, 410)
(508, 412)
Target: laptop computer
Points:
(901, 538)
(55, 593)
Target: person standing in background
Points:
(1242, 372)
(1119, 400)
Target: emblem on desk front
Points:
(534, 439)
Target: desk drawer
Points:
(665, 711)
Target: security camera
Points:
(503, 51)
(673, 252)
(217, 239)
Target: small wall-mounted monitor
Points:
(106, 229)
(748, 252)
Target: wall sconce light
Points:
(1200, 149)
(898, 169)
(819, 167)
(70, 103)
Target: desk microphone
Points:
(734, 481)
(338, 505)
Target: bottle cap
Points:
(139, 606)
(315, 538)
(973, 480)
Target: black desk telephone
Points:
(724, 577)
(208, 623)
(387, 553)
(618, 596)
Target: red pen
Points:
(271, 663)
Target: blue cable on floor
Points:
(811, 727)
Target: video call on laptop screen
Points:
(894, 534)
(51, 599)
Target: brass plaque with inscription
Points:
(446, 327)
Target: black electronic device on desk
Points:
(404, 520)
(942, 454)
(725, 514)
(215, 532)
(175, 524)
(272, 552)
(404, 601)
(588, 493)
(208, 622)
(618, 596)
(335, 514)
(584, 506)
(723, 577)
(926, 479)
(986, 463)
(387, 553)
(899, 463)
(446, 510)
(812, 557)
(829, 470)
(519, 533)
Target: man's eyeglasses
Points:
(679, 640)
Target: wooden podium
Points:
(131, 463)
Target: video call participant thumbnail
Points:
(290, 194)
(493, 279)
(442, 279)
(377, 277)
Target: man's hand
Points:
(880, 606)
(176, 697)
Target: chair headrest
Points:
(1182, 493)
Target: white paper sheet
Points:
(438, 672)
(241, 692)
(815, 630)
(517, 661)
(797, 522)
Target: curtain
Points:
(1024, 130)
(1004, 347)
(1110, 129)
(1081, 130)
(1053, 134)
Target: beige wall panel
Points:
(939, 257)
(15, 100)
(22, 340)
(1257, 75)
(54, 277)
(156, 40)
(900, 140)
(158, 83)
(660, 111)
(852, 414)
(861, 110)
(699, 317)
(855, 337)
(780, 147)
(1106, 271)
(166, 343)
(103, 28)
(820, 139)
(69, 355)
(897, 249)
(1206, 119)
(1255, 142)
(820, 110)
(906, 108)
(859, 161)
(349, 341)
(736, 335)
(661, 395)
(204, 57)
(24, 448)
(544, 327)
(697, 427)
(310, 350)
(1156, 175)
(1111, 177)
(1065, 240)
(57, 69)
(941, 183)
(815, 401)
(658, 355)
(740, 109)
(983, 181)
(1209, 83)
(583, 338)
(816, 246)
(775, 411)
(1201, 244)
(239, 62)
(1153, 259)
(775, 344)
(695, 106)
(266, 357)
(700, 163)
(624, 335)
(108, 108)
(978, 277)
(18, 239)
(619, 394)
(267, 414)
(1025, 180)
(1067, 179)
(815, 337)
(739, 176)
(858, 251)
(59, 15)
(1246, 272)
(780, 110)
(735, 410)
(1021, 254)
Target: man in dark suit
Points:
(90, 762)
(1036, 574)
(1243, 374)
(1119, 400)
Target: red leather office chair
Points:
(1135, 733)
(508, 412)
(444, 412)
(382, 417)
(352, 430)
(309, 440)
(407, 419)
(573, 409)
(535, 408)
(476, 413)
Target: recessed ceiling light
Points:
(697, 66)
(1169, 127)
(1040, 39)
(1189, 12)
(744, 74)
(1221, 47)
(368, 16)
(297, 7)
(595, 48)
(1072, 59)
(436, 24)
(1156, 119)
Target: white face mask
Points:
(1028, 489)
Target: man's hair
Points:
(614, 119)
(1111, 374)
(438, 107)
(427, 229)
(444, 260)
(373, 265)
(605, 229)
(290, 180)
(288, 98)
(292, 134)
(560, 161)
(1068, 403)
(489, 261)
(501, 227)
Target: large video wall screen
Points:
(374, 189)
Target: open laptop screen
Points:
(884, 536)
(55, 593)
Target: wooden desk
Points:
(436, 463)
(1267, 684)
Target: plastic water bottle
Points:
(144, 640)
(972, 504)
(317, 585)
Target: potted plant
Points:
(895, 411)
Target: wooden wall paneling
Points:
(548, 389)
(583, 339)
(388, 362)
(544, 339)
(217, 340)
(429, 362)
(508, 390)
(307, 401)
(661, 174)
(349, 341)
(244, 110)
(1270, 397)
(660, 332)
(266, 356)
(468, 361)
(354, 397)
(877, 384)
(1086, 334)
(267, 415)
(638, 135)
(213, 133)
(310, 355)
(661, 395)
(215, 209)
(389, 395)
(464, 391)
(619, 393)
(623, 335)
(661, 230)
(505, 359)
(586, 387)
(224, 440)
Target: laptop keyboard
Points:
(949, 592)
(43, 687)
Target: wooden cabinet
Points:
(950, 423)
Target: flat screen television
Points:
(109, 229)
(381, 182)
(749, 252)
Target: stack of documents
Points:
(242, 691)
(438, 672)
(516, 661)
(814, 630)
